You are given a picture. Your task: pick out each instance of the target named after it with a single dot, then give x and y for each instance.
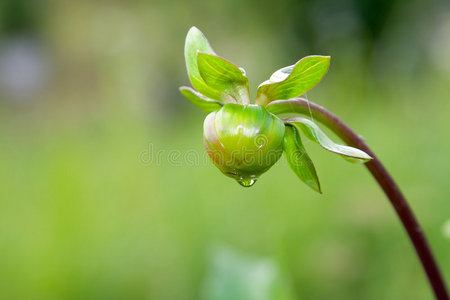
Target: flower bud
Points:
(243, 141)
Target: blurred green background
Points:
(105, 189)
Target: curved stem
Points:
(398, 201)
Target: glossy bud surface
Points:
(243, 141)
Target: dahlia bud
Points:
(243, 141)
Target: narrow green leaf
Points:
(280, 75)
(293, 81)
(224, 76)
(298, 159)
(314, 133)
(206, 104)
(195, 42)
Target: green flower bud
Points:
(243, 141)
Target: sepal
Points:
(224, 76)
(202, 102)
(293, 81)
(298, 159)
(197, 42)
(315, 134)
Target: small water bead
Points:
(247, 182)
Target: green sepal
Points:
(202, 102)
(298, 159)
(225, 77)
(293, 81)
(315, 134)
(197, 42)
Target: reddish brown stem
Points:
(390, 188)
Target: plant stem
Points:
(398, 201)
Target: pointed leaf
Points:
(223, 76)
(314, 133)
(206, 104)
(293, 81)
(195, 42)
(280, 75)
(298, 159)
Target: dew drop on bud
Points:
(247, 182)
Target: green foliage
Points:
(298, 159)
(211, 75)
(202, 102)
(293, 81)
(197, 42)
(315, 134)
(225, 77)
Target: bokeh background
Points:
(105, 192)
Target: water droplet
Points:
(247, 182)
